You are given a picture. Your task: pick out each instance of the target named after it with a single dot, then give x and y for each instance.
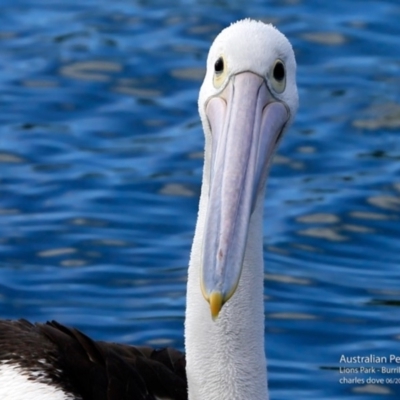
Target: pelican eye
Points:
(279, 71)
(219, 65)
(278, 80)
(220, 72)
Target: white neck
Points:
(225, 359)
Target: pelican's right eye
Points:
(220, 71)
(219, 66)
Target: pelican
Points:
(246, 102)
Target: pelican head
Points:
(247, 101)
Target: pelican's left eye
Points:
(220, 71)
(278, 78)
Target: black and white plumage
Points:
(246, 102)
(66, 361)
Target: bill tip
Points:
(215, 301)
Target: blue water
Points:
(101, 161)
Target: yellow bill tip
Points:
(215, 301)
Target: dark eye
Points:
(219, 65)
(279, 71)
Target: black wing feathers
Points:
(92, 370)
